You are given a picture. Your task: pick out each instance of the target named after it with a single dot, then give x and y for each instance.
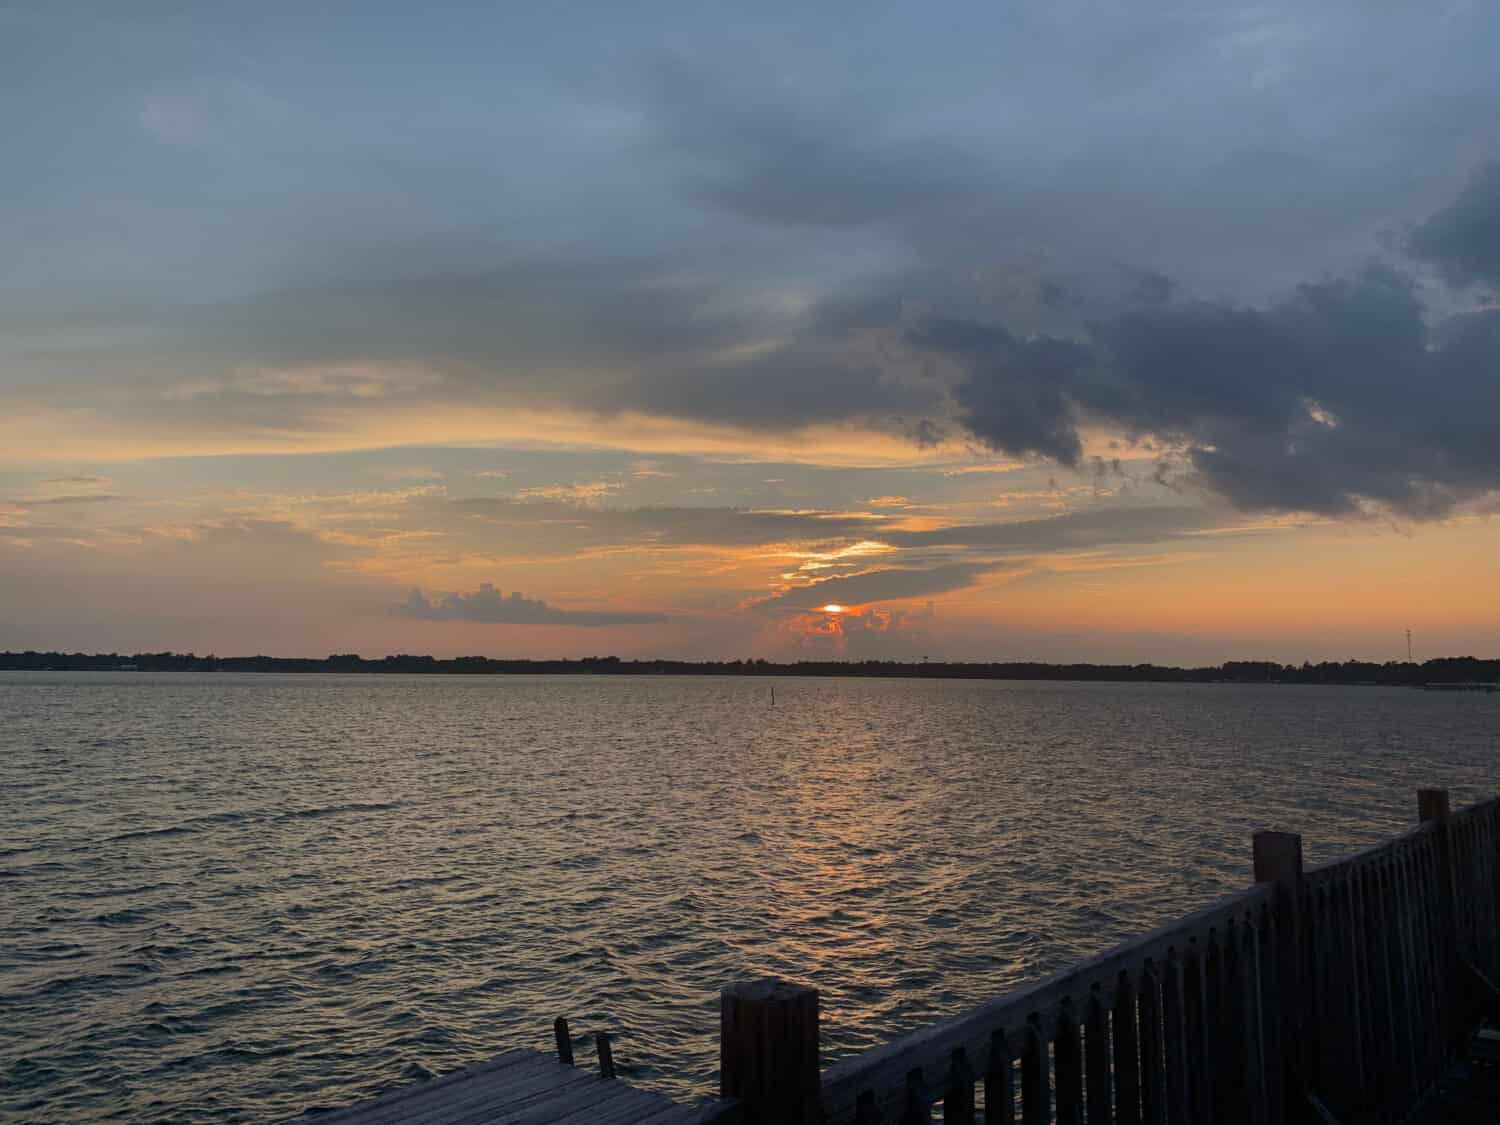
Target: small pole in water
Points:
(773, 695)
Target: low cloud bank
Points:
(489, 606)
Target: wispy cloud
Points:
(882, 585)
(574, 492)
(73, 498)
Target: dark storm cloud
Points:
(1337, 395)
(1463, 239)
(1014, 397)
(489, 607)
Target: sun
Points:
(832, 608)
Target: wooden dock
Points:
(525, 1087)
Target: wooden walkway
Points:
(525, 1087)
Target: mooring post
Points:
(564, 1039)
(1278, 861)
(1433, 805)
(768, 1051)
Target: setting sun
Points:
(831, 608)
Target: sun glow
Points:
(832, 608)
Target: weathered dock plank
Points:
(525, 1087)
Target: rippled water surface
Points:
(238, 897)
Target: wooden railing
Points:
(1474, 853)
(1338, 994)
(1145, 1024)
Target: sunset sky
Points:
(1053, 330)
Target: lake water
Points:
(237, 897)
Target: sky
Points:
(1056, 330)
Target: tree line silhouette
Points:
(1443, 670)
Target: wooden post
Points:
(1433, 804)
(606, 1055)
(1278, 861)
(768, 1051)
(564, 1041)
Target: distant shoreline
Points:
(1443, 670)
